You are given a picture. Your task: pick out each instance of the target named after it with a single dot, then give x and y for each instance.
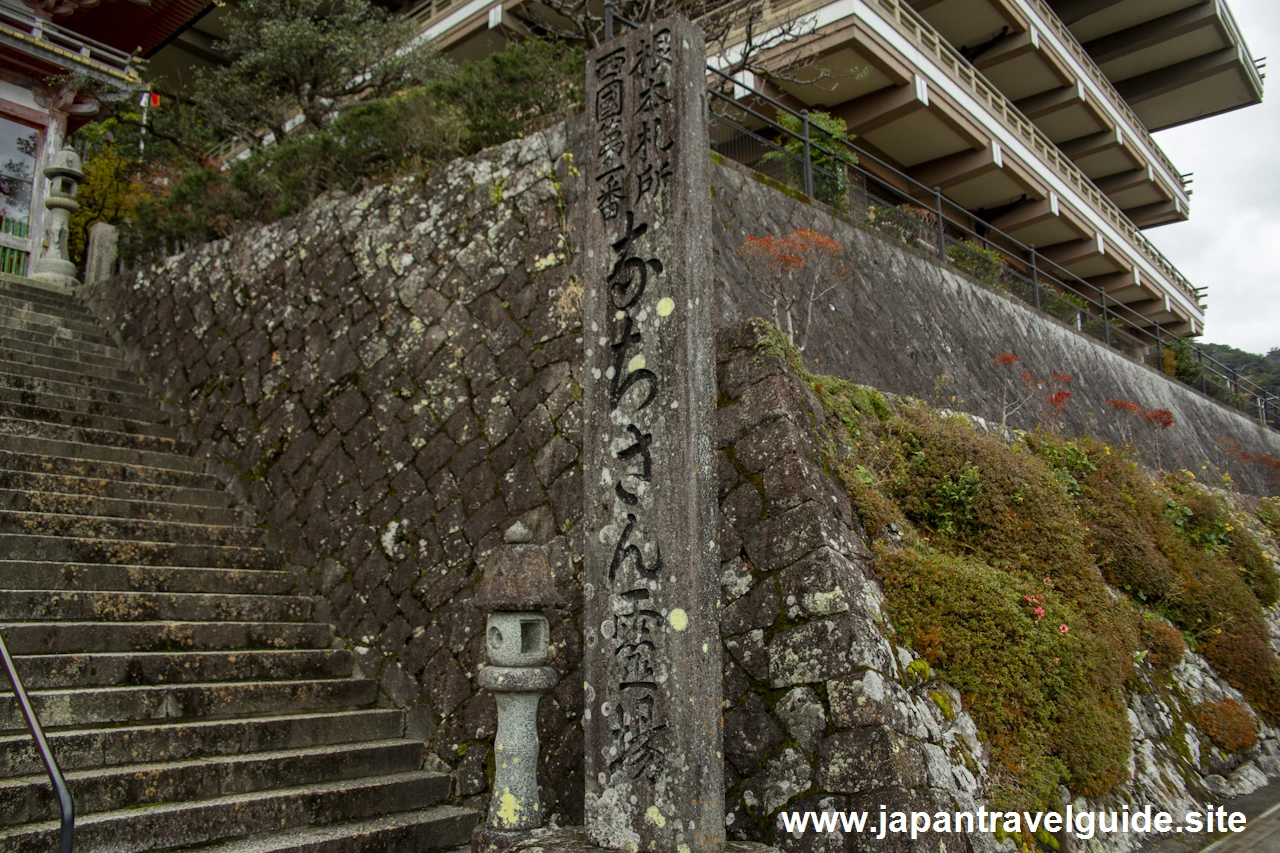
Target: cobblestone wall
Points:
(391, 379)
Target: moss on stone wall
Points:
(996, 550)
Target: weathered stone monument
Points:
(652, 718)
(100, 255)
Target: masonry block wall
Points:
(392, 378)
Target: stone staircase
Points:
(188, 695)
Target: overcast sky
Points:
(1231, 244)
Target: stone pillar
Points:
(54, 267)
(100, 255)
(652, 715)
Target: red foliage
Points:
(1004, 358)
(1126, 406)
(1159, 418)
(1058, 399)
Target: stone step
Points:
(71, 346)
(47, 523)
(54, 328)
(39, 496)
(174, 702)
(133, 529)
(69, 316)
(27, 356)
(174, 825)
(32, 292)
(79, 452)
(43, 605)
(68, 309)
(87, 435)
(127, 552)
(76, 377)
(436, 828)
(135, 395)
(149, 413)
(121, 669)
(81, 749)
(112, 472)
(30, 288)
(49, 638)
(96, 576)
(89, 420)
(30, 798)
(111, 359)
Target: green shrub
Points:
(1258, 572)
(999, 580)
(829, 155)
(472, 106)
(1163, 642)
(1045, 700)
(982, 262)
(1227, 723)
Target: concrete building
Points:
(1034, 116)
(59, 59)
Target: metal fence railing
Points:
(887, 201)
(65, 805)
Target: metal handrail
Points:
(1109, 311)
(65, 804)
(1044, 271)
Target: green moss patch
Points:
(998, 576)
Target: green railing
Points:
(13, 261)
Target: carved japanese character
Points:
(613, 193)
(609, 100)
(624, 378)
(641, 449)
(626, 550)
(611, 65)
(652, 178)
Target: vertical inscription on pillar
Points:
(652, 721)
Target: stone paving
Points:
(1261, 836)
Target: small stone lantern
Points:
(54, 267)
(516, 588)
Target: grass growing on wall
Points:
(997, 555)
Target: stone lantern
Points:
(54, 267)
(516, 588)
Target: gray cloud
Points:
(1231, 244)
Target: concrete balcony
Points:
(921, 106)
(1174, 61)
(1031, 56)
(916, 102)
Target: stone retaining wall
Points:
(391, 378)
(907, 325)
